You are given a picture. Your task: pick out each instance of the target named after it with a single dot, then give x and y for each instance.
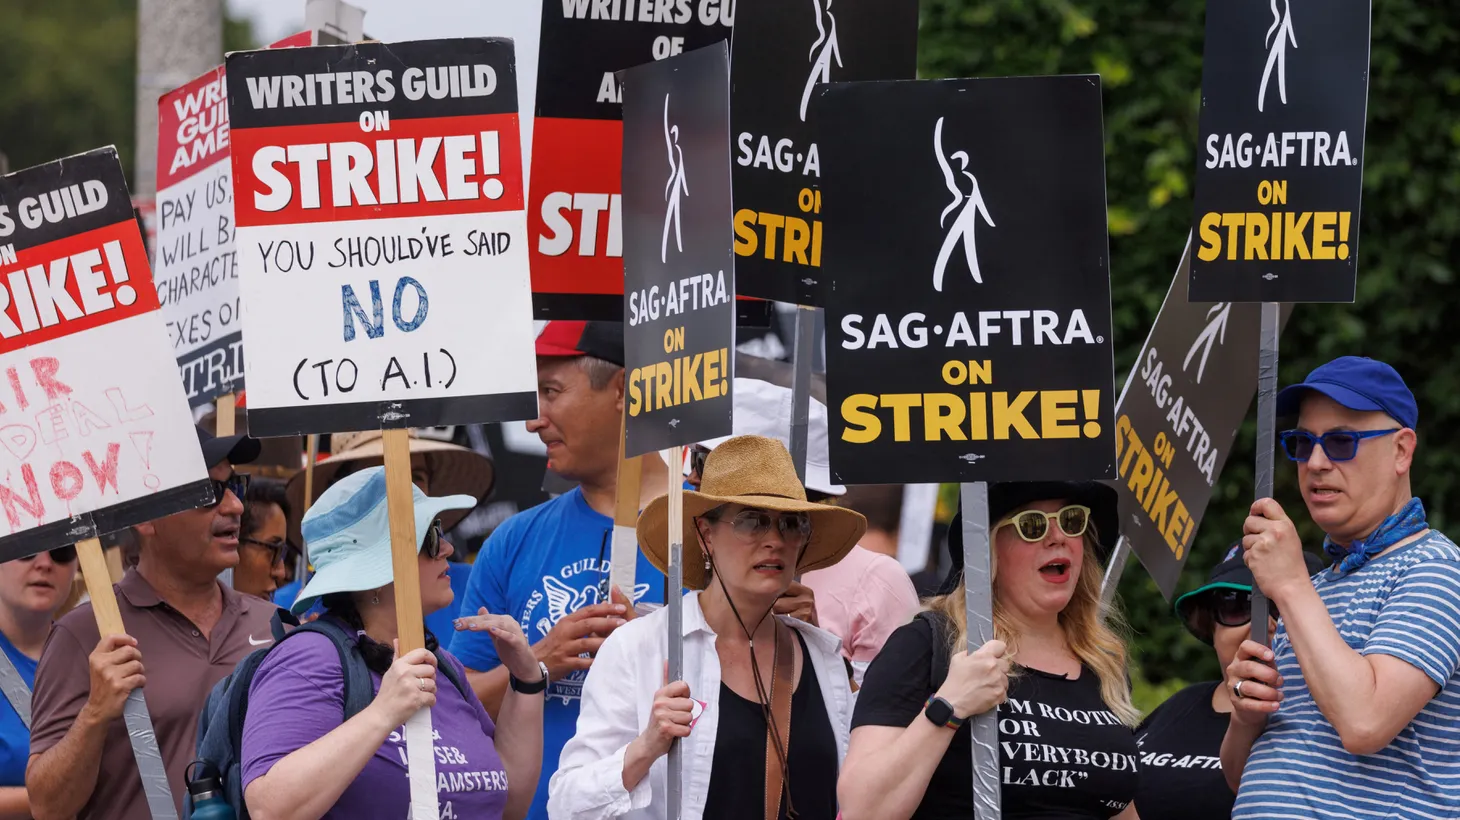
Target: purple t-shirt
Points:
(297, 697)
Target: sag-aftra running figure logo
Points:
(969, 206)
(823, 51)
(674, 187)
(1277, 39)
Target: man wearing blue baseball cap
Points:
(1351, 713)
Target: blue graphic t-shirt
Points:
(14, 737)
(540, 565)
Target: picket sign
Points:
(674, 599)
(410, 623)
(978, 599)
(1267, 365)
(624, 553)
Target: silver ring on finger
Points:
(1237, 689)
(422, 683)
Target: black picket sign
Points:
(679, 272)
(1280, 162)
(968, 298)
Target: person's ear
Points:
(618, 389)
(1404, 443)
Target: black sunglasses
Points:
(1233, 607)
(697, 456)
(431, 545)
(236, 483)
(61, 555)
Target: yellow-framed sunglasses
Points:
(1033, 525)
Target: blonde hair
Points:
(1095, 637)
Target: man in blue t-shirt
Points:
(1353, 711)
(547, 566)
(32, 590)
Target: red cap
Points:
(601, 340)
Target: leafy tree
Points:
(1149, 57)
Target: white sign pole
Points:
(674, 600)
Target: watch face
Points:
(940, 712)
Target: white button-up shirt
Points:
(619, 694)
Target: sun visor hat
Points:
(347, 534)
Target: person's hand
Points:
(799, 602)
(507, 637)
(977, 681)
(617, 596)
(1272, 549)
(669, 718)
(578, 632)
(1260, 684)
(116, 669)
(407, 687)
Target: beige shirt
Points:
(181, 668)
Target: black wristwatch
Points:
(533, 688)
(940, 712)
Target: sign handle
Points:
(139, 723)
(624, 557)
(978, 598)
(674, 600)
(410, 624)
(1118, 559)
(1267, 376)
(223, 417)
(312, 448)
(801, 387)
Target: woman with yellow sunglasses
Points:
(1056, 673)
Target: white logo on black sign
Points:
(823, 51)
(1277, 39)
(1214, 333)
(968, 205)
(674, 187)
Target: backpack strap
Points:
(938, 669)
(359, 687)
(448, 669)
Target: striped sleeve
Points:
(1420, 622)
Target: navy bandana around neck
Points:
(1397, 527)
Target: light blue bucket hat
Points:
(347, 534)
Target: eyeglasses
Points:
(431, 544)
(1033, 525)
(275, 548)
(753, 525)
(236, 483)
(1233, 607)
(697, 456)
(1338, 445)
(60, 555)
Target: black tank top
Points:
(737, 776)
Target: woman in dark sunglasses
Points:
(263, 539)
(32, 590)
(1181, 742)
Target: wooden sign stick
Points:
(410, 624)
(312, 455)
(139, 722)
(223, 425)
(624, 556)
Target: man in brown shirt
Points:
(191, 630)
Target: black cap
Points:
(601, 340)
(1231, 573)
(1007, 496)
(233, 449)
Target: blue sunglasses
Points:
(1338, 445)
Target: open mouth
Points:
(770, 567)
(227, 534)
(42, 585)
(1324, 492)
(1057, 571)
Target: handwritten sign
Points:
(95, 434)
(381, 236)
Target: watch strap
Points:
(953, 721)
(533, 688)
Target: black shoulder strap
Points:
(359, 687)
(448, 669)
(938, 671)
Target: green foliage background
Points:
(67, 71)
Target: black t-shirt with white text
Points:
(1062, 753)
(1181, 764)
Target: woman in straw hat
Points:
(1064, 711)
(763, 707)
(300, 761)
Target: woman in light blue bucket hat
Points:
(300, 760)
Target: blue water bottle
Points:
(205, 788)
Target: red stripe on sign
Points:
(192, 128)
(74, 284)
(575, 224)
(338, 172)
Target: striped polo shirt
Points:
(1405, 604)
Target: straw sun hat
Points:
(756, 472)
(455, 470)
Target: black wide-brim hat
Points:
(1008, 496)
(1231, 573)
